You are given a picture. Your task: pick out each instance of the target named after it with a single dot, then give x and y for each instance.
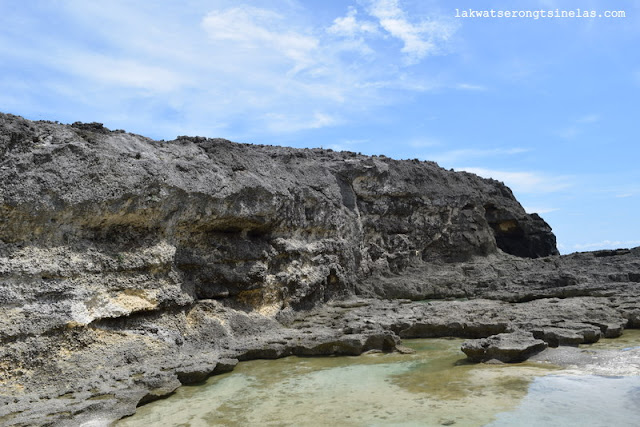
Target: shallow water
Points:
(579, 401)
(629, 339)
(432, 387)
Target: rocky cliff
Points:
(130, 266)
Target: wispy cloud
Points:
(607, 244)
(467, 154)
(578, 126)
(285, 123)
(472, 87)
(350, 26)
(347, 144)
(525, 182)
(570, 132)
(258, 31)
(125, 73)
(539, 210)
(589, 118)
(420, 39)
(424, 142)
(354, 34)
(252, 69)
(520, 70)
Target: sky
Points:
(550, 106)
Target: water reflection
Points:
(431, 387)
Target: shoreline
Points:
(130, 267)
(442, 381)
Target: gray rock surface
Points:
(509, 347)
(129, 266)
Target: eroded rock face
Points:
(130, 266)
(259, 227)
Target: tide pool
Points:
(434, 386)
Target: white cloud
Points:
(419, 39)
(209, 67)
(607, 244)
(127, 73)
(570, 132)
(285, 123)
(468, 86)
(539, 210)
(577, 127)
(254, 29)
(402, 81)
(347, 144)
(322, 120)
(424, 142)
(300, 73)
(521, 70)
(350, 26)
(589, 118)
(454, 156)
(354, 141)
(525, 182)
(352, 34)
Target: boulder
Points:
(508, 347)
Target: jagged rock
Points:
(558, 336)
(129, 266)
(196, 373)
(508, 347)
(262, 226)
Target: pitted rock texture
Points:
(512, 347)
(99, 224)
(130, 266)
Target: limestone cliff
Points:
(130, 266)
(255, 226)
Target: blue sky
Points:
(550, 106)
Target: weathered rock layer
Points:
(130, 266)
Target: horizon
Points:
(546, 105)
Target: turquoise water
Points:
(432, 387)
